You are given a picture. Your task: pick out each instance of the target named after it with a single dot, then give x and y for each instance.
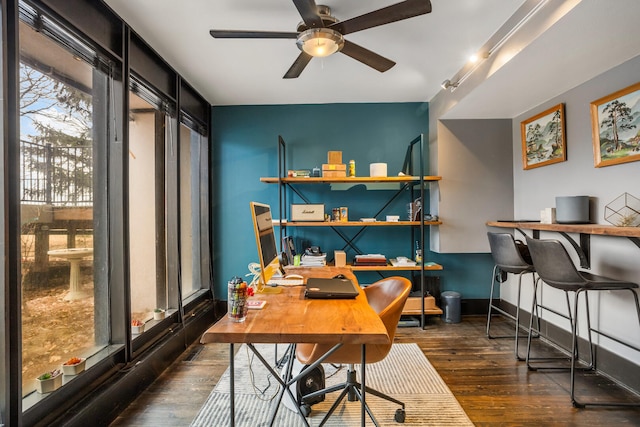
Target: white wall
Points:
(537, 188)
(474, 159)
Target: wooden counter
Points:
(584, 230)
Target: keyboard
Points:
(285, 282)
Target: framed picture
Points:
(543, 138)
(615, 127)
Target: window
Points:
(149, 134)
(64, 93)
(193, 210)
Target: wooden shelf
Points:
(413, 307)
(434, 267)
(347, 180)
(597, 229)
(355, 223)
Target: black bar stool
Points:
(508, 258)
(555, 268)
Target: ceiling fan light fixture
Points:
(320, 42)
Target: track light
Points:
(447, 84)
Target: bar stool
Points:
(508, 259)
(555, 268)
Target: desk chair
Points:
(555, 268)
(387, 297)
(508, 259)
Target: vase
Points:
(49, 385)
(74, 369)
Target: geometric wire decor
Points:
(624, 211)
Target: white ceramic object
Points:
(137, 329)
(378, 169)
(74, 369)
(49, 385)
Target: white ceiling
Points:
(427, 49)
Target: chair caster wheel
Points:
(399, 416)
(305, 410)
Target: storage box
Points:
(334, 167)
(334, 157)
(334, 174)
(341, 258)
(307, 212)
(334, 170)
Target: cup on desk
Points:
(237, 299)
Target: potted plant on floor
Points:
(49, 381)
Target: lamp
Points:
(320, 41)
(448, 85)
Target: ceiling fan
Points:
(320, 34)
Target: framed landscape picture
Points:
(543, 138)
(615, 127)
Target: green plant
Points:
(49, 375)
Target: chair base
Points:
(352, 389)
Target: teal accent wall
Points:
(245, 142)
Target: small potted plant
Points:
(74, 366)
(137, 327)
(49, 381)
(158, 314)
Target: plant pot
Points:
(74, 369)
(137, 329)
(49, 385)
(158, 315)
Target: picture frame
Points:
(615, 127)
(543, 138)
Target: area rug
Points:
(405, 374)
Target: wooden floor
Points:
(491, 385)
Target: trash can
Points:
(450, 306)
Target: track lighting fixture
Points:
(447, 84)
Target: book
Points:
(256, 304)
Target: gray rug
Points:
(405, 374)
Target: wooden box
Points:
(334, 157)
(334, 170)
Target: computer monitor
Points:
(266, 242)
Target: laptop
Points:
(321, 288)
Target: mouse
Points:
(293, 276)
(340, 276)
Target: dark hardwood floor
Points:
(491, 385)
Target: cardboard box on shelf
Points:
(340, 258)
(334, 157)
(334, 167)
(334, 174)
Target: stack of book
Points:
(370, 260)
(319, 260)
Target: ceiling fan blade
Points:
(239, 34)
(367, 57)
(386, 15)
(298, 65)
(309, 13)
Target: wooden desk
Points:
(585, 230)
(290, 318)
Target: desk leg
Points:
(284, 383)
(232, 405)
(364, 386)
